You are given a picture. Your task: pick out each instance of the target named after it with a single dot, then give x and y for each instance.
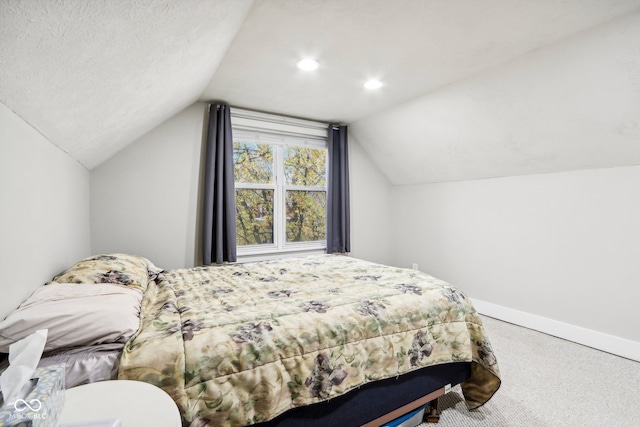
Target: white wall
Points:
(144, 200)
(563, 246)
(44, 210)
(542, 243)
(370, 193)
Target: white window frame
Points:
(278, 131)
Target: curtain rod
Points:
(296, 120)
(277, 118)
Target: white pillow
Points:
(75, 315)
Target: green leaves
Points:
(253, 163)
(254, 216)
(279, 183)
(306, 215)
(305, 166)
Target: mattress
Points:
(84, 365)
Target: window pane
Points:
(306, 216)
(305, 166)
(254, 217)
(252, 163)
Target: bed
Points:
(319, 340)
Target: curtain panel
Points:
(338, 211)
(219, 215)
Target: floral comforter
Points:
(240, 344)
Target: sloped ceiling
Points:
(413, 46)
(94, 76)
(572, 105)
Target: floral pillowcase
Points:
(132, 271)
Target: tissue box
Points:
(42, 406)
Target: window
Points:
(280, 172)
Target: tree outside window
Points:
(280, 194)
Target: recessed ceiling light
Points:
(307, 64)
(373, 84)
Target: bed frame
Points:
(377, 403)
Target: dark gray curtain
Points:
(219, 216)
(338, 212)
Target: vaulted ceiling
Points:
(93, 76)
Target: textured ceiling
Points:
(413, 46)
(93, 76)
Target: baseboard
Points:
(598, 340)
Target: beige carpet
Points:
(547, 381)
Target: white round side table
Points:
(135, 403)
